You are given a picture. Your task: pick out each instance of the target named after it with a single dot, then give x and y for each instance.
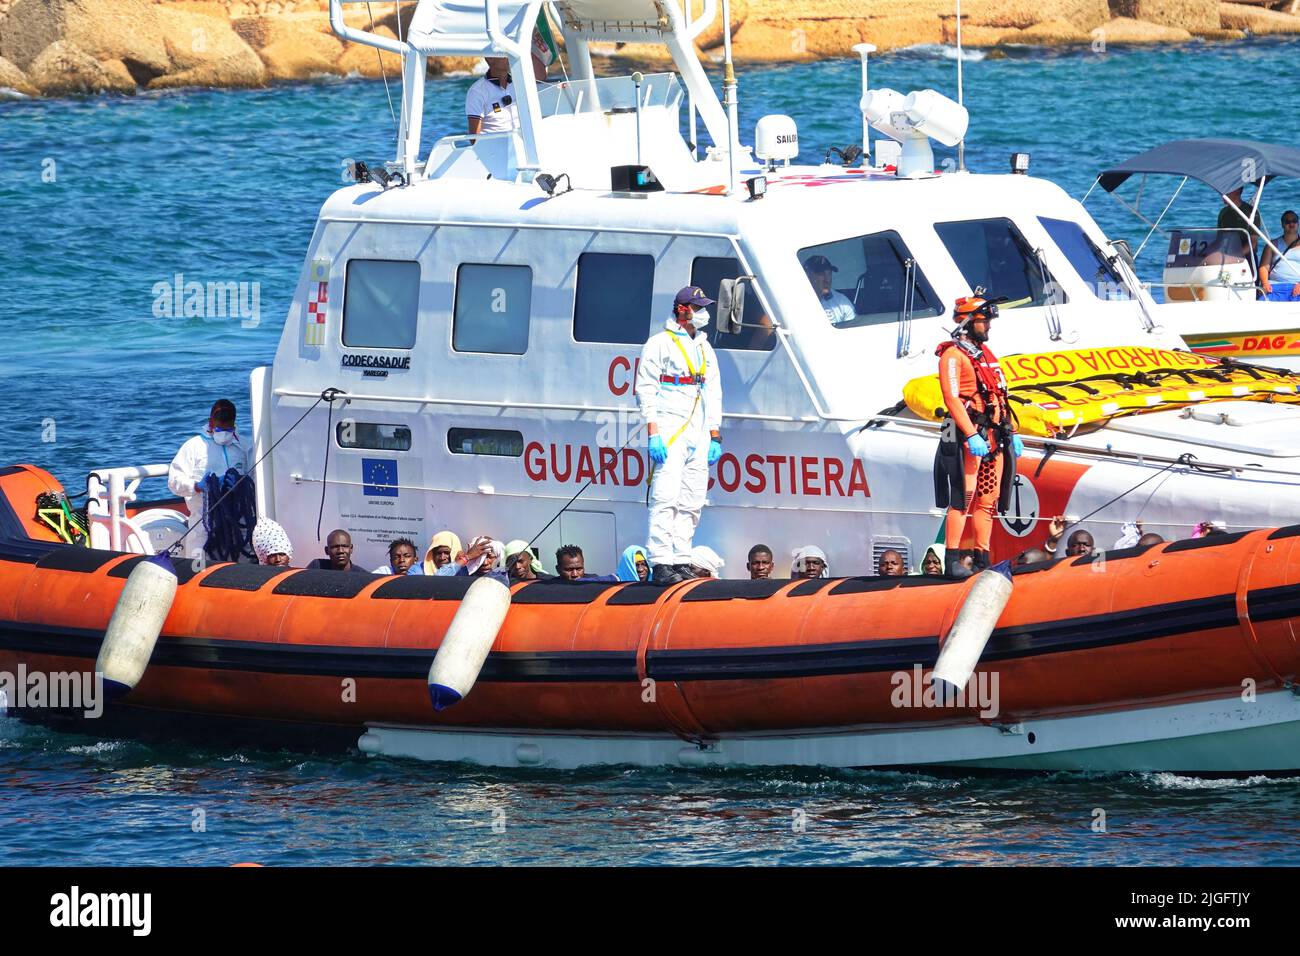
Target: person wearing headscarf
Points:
(441, 552)
(931, 563)
(810, 562)
(633, 565)
(518, 570)
(705, 561)
(271, 544)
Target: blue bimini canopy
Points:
(1222, 164)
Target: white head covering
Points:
(269, 538)
(498, 549)
(801, 556)
(702, 556)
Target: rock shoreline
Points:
(70, 47)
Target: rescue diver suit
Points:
(199, 457)
(968, 483)
(678, 389)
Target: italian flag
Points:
(543, 41)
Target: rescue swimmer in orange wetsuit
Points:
(970, 477)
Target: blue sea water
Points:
(102, 199)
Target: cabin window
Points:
(869, 280)
(493, 303)
(707, 272)
(485, 441)
(353, 434)
(613, 299)
(380, 304)
(993, 254)
(1093, 266)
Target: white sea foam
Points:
(1172, 781)
(947, 52)
(103, 747)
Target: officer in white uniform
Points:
(837, 305)
(490, 105)
(680, 395)
(211, 452)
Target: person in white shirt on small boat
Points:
(490, 105)
(1279, 278)
(837, 305)
(679, 393)
(213, 451)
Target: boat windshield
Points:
(869, 280)
(1092, 265)
(993, 254)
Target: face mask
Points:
(223, 438)
(700, 318)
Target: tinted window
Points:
(868, 280)
(613, 300)
(369, 435)
(707, 272)
(492, 307)
(993, 254)
(1089, 261)
(380, 304)
(485, 441)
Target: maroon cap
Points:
(692, 295)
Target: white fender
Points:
(979, 614)
(136, 623)
(469, 637)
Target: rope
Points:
(379, 57)
(228, 520)
(591, 481)
(1184, 459)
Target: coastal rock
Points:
(1053, 33)
(364, 60)
(461, 64)
(194, 39)
(1190, 15)
(1219, 34)
(125, 30)
(232, 71)
(12, 78)
(777, 40)
(712, 35)
(292, 47)
(1238, 16)
(973, 35)
(1083, 15)
(1125, 30)
(63, 68)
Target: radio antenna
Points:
(961, 143)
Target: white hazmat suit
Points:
(199, 457)
(678, 388)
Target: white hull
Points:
(1220, 736)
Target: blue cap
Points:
(692, 295)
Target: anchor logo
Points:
(1022, 517)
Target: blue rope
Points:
(229, 515)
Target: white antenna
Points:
(961, 145)
(729, 96)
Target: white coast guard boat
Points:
(463, 341)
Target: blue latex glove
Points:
(658, 450)
(1017, 446)
(977, 446)
(715, 450)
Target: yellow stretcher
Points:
(1053, 392)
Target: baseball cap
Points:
(692, 295)
(819, 264)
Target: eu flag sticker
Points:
(379, 477)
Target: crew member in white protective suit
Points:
(211, 452)
(680, 395)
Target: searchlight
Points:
(912, 121)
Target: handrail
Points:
(534, 406)
(364, 37)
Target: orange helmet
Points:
(970, 307)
